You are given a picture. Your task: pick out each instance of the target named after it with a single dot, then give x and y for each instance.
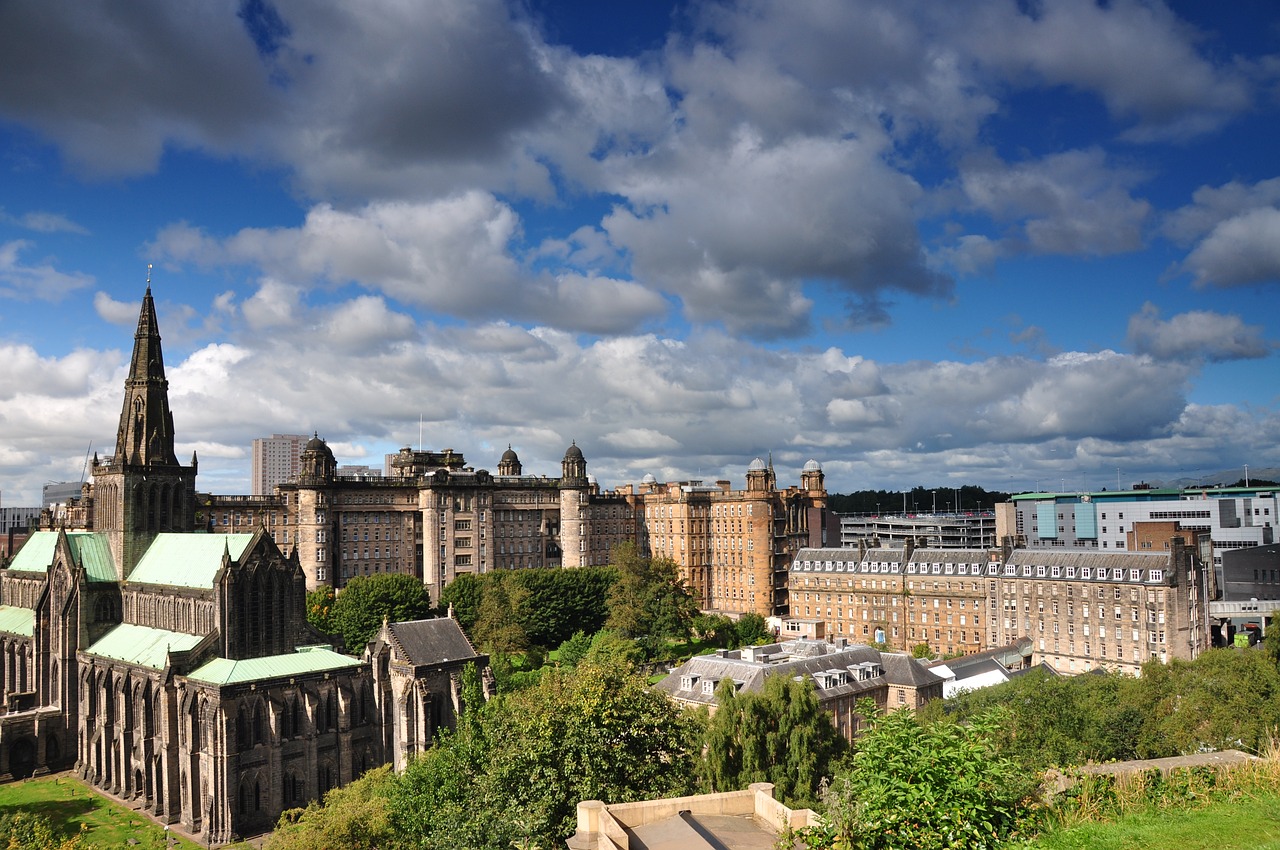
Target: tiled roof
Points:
(17, 621)
(89, 550)
(142, 645)
(187, 560)
(310, 659)
(434, 641)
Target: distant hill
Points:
(1226, 478)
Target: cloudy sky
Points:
(1016, 244)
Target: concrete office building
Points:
(275, 461)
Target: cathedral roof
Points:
(89, 550)
(187, 560)
(436, 641)
(308, 659)
(17, 621)
(142, 645)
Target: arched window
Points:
(259, 724)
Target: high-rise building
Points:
(275, 461)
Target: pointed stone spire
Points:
(145, 435)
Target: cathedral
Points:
(176, 668)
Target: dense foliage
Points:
(512, 610)
(28, 831)
(779, 735)
(366, 601)
(920, 786)
(354, 817)
(1224, 699)
(649, 599)
(517, 767)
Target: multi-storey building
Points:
(965, 530)
(900, 597)
(1235, 517)
(275, 461)
(1081, 609)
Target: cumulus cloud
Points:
(454, 256)
(1139, 57)
(1196, 334)
(1067, 203)
(42, 281)
(1244, 249)
(123, 313)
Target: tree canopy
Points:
(649, 599)
(779, 735)
(366, 601)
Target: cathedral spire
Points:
(145, 435)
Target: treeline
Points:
(1225, 699)
(918, 500)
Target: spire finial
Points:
(148, 278)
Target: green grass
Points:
(1247, 823)
(68, 803)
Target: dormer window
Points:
(687, 682)
(709, 687)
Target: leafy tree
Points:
(649, 598)
(497, 627)
(922, 650)
(354, 817)
(926, 786)
(515, 769)
(320, 609)
(598, 732)
(574, 649)
(556, 603)
(366, 601)
(28, 831)
(751, 629)
(713, 627)
(609, 648)
(780, 735)
(464, 593)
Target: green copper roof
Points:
(36, 554)
(17, 621)
(187, 560)
(142, 645)
(94, 555)
(225, 671)
(89, 550)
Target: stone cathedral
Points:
(177, 669)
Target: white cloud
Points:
(41, 281)
(1196, 334)
(1242, 250)
(43, 222)
(124, 313)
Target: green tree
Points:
(320, 609)
(497, 627)
(556, 603)
(609, 648)
(464, 593)
(597, 732)
(28, 831)
(752, 629)
(780, 735)
(649, 599)
(354, 817)
(366, 601)
(926, 786)
(574, 649)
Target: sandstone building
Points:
(1081, 609)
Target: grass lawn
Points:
(1250, 822)
(67, 803)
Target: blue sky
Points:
(923, 243)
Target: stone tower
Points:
(319, 470)
(142, 490)
(573, 507)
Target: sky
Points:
(1025, 245)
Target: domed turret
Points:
(811, 477)
(574, 465)
(316, 463)
(510, 463)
